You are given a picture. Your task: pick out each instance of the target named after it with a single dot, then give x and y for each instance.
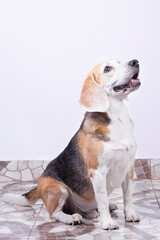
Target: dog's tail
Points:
(26, 199)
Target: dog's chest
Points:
(119, 151)
(121, 135)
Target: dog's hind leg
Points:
(54, 195)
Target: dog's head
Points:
(109, 79)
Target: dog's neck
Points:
(117, 108)
(116, 105)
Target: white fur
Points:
(63, 217)
(119, 152)
(115, 164)
(66, 218)
(120, 74)
(130, 214)
(16, 199)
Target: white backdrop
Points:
(46, 51)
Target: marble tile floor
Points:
(32, 223)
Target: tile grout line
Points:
(155, 193)
(34, 222)
(150, 169)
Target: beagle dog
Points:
(99, 158)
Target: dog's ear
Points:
(93, 97)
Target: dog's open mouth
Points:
(133, 84)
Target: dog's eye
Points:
(107, 69)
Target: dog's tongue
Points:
(134, 81)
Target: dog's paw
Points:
(68, 219)
(112, 207)
(131, 216)
(109, 224)
(75, 219)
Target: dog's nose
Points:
(134, 63)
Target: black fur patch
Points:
(28, 194)
(69, 168)
(101, 136)
(99, 117)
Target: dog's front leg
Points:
(100, 190)
(127, 185)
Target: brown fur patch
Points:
(32, 196)
(90, 92)
(90, 148)
(50, 192)
(93, 131)
(96, 73)
(91, 172)
(89, 194)
(132, 174)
